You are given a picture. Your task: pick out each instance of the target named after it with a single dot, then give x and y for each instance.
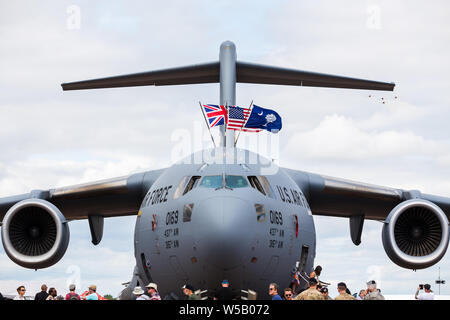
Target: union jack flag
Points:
(237, 118)
(216, 115)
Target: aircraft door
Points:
(303, 259)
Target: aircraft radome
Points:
(224, 212)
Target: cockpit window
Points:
(266, 185)
(179, 190)
(211, 182)
(188, 183)
(236, 182)
(191, 184)
(254, 182)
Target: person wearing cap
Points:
(372, 292)
(92, 294)
(311, 293)
(343, 293)
(188, 290)
(426, 295)
(72, 295)
(324, 292)
(139, 294)
(224, 292)
(152, 290)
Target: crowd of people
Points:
(316, 290)
(51, 294)
(151, 293)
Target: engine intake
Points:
(415, 234)
(35, 234)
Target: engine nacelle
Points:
(416, 234)
(35, 234)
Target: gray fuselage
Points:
(223, 227)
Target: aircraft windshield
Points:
(230, 182)
(211, 182)
(236, 182)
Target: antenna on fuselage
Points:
(228, 71)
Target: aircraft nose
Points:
(225, 235)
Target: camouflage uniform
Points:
(345, 296)
(310, 294)
(374, 295)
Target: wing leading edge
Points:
(329, 196)
(108, 198)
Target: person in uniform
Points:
(343, 295)
(288, 294)
(324, 292)
(189, 290)
(372, 292)
(311, 293)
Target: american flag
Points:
(237, 118)
(216, 115)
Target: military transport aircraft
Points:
(224, 213)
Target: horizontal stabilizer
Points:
(245, 73)
(202, 73)
(254, 73)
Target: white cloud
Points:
(341, 138)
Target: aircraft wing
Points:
(329, 196)
(107, 198)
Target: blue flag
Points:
(266, 119)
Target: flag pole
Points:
(243, 125)
(206, 121)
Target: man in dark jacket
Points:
(43, 294)
(224, 292)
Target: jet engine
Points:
(35, 234)
(415, 234)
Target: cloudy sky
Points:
(51, 138)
